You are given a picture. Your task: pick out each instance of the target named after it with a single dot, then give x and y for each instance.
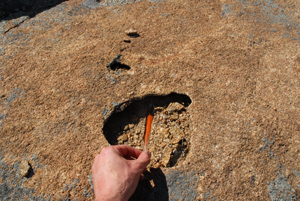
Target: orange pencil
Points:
(149, 119)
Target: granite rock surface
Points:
(237, 61)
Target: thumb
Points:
(143, 160)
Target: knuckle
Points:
(105, 150)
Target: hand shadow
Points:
(152, 187)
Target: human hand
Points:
(116, 172)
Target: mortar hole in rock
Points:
(116, 64)
(169, 140)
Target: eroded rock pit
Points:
(170, 133)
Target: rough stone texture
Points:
(238, 61)
(24, 168)
(182, 185)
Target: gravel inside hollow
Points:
(169, 137)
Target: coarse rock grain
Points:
(238, 61)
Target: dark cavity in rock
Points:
(17, 8)
(170, 134)
(116, 64)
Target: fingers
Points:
(142, 161)
(142, 158)
(127, 151)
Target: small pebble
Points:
(174, 116)
(126, 127)
(24, 168)
(124, 138)
(175, 107)
(132, 33)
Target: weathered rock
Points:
(174, 107)
(123, 138)
(24, 168)
(132, 33)
(166, 156)
(238, 61)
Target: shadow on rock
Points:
(116, 64)
(14, 9)
(152, 188)
(132, 111)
